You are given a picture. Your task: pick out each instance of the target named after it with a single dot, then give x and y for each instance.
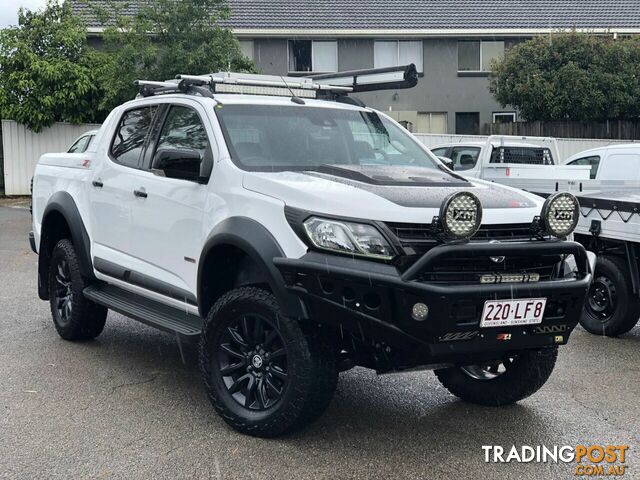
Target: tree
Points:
(570, 76)
(47, 71)
(164, 38)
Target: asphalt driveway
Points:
(131, 405)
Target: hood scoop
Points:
(395, 176)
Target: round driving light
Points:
(560, 214)
(420, 312)
(461, 215)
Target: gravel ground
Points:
(131, 405)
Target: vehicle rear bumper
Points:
(375, 301)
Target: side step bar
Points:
(145, 310)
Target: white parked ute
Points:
(295, 233)
(530, 163)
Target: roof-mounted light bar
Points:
(374, 78)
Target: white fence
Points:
(22, 149)
(566, 146)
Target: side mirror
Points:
(182, 163)
(447, 162)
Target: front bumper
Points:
(374, 301)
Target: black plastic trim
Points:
(256, 241)
(32, 242)
(145, 310)
(63, 203)
(141, 280)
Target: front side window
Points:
(278, 138)
(313, 56)
(393, 53)
(464, 158)
(128, 142)
(477, 55)
(183, 129)
(593, 162)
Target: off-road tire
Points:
(627, 310)
(86, 319)
(527, 374)
(311, 363)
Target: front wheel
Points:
(501, 382)
(263, 374)
(611, 308)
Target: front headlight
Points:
(461, 215)
(348, 237)
(561, 213)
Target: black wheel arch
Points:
(62, 219)
(257, 248)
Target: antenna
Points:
(294, 99)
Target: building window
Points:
(504, 117)
(313, 56)
(468, 123)
(421, 122)
(392, 53)
(476, 56)
(246, 47)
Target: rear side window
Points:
(592, 161)
(183, 129)
(129, 140)
(80, 146)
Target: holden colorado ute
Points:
(295, 233)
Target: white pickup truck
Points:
(294, 233)
(530, 163)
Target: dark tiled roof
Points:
(417, 14)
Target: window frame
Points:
(145, 143)
(474, 72)
(397, 42)
(313, 70)
(599, 157)
(154, 138)
(494, 115)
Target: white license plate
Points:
(508, 313)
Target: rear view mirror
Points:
(182, 163)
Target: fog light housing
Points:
(461, 215)
(420, 312)
(560, 214)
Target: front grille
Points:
(470, 269)
(417, 239)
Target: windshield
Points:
(276, 138)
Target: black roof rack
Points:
(331, 86)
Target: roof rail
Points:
(326, 86)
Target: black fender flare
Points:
(257, 242)
(63, 204)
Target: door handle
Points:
(140, 193)
(97, 183)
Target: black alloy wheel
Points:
(63, 299)
(253, 362)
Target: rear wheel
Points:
(501, 382)
(611, 308)
(74, 316)
(264, 376)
